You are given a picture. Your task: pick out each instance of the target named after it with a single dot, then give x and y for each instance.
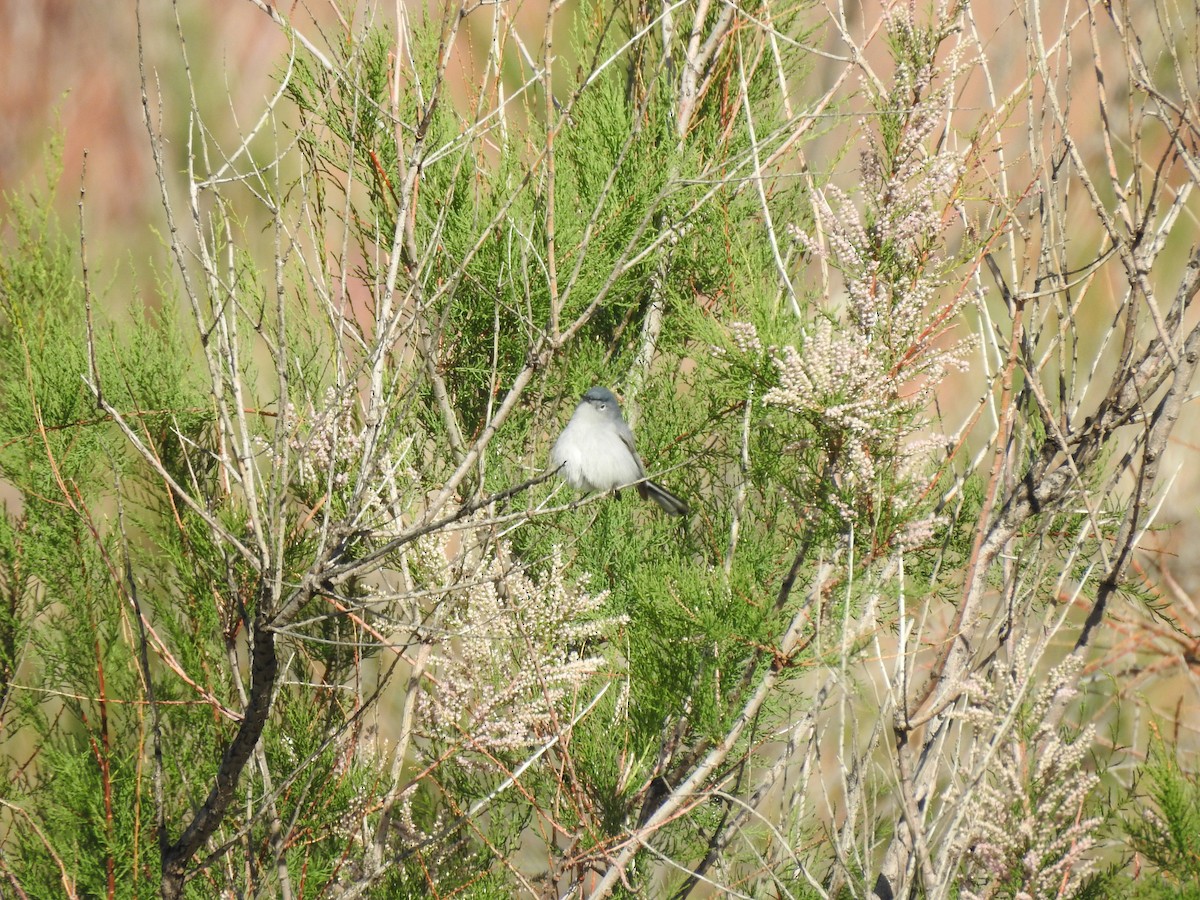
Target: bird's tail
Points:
(672, 505)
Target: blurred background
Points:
(69, 73)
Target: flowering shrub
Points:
(516, 654)
(1027, 832)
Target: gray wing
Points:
(648, 490)
(627, 439)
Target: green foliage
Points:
(79, 776)
(1165, 834)
(279, 478)
(700, 617)
(89, 817)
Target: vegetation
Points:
(291, 606)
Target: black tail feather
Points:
(671, 505)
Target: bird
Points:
(595, 452)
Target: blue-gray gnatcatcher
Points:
(595, 452)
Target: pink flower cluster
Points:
(864, 371)
(515, 657)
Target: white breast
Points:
(593, 457)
